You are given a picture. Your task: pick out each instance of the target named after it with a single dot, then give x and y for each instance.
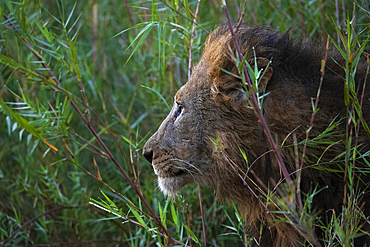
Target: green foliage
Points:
(120, 63)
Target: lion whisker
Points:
(186, 169)
(187, 163)
(189, 171)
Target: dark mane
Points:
(294, 61)
(294, 83)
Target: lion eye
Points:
(178, 110)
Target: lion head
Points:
(210, 107)
(213, 137)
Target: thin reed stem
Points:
(192, 37)
(202, 214)
(299, 201)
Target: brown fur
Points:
(212, 104)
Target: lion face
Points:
(210, 106)
(178, 150)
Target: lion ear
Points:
(265, 70)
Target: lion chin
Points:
(171, 185)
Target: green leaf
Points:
(180, 27)
(141, 37)
(70, 14)
(163, 214)
(137, 25)
(29, 137)
(47, 34)
(20, 120)
(66, 107)
(21, 134)
(69, 119)
(154, 11)
(175, 217)
(23, 19)
(160, 95)
(139, 120)
(14, 127)
(128, 141)
(244, 155)
(111, 203)
(13, 64)
(35, 144)
(187, 8)
(139, 218)
(74, 58)
(9, 123)
(191, 233)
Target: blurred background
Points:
(121, 62)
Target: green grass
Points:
(121, 65)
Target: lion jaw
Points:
(171, 185)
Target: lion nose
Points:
(148, 154)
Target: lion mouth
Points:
(170, 175)
(169, 171)
(179, 173)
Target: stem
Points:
(322, 19)
(127, 6)
(337, 20)
(95, 32)
(311, 124)
(344, 12)
(303, 25)
(192, 37)
(188, 217)
(202, 214)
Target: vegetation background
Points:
(120, 63)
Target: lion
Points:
(213, 137)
